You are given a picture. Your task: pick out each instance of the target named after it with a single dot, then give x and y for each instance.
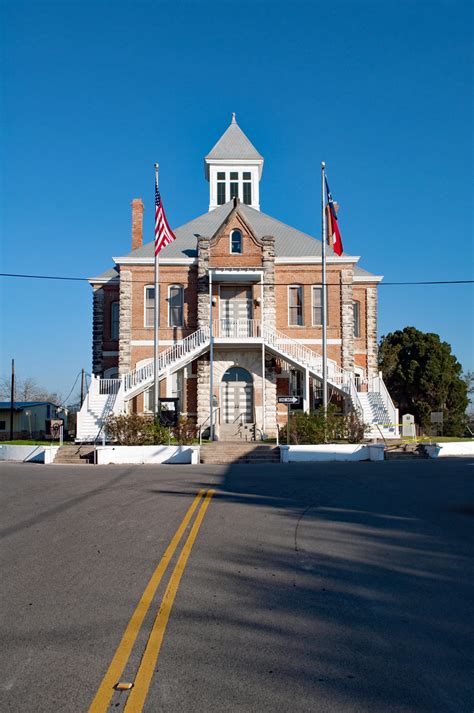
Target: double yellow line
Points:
(145, 671)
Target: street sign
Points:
(288, 399)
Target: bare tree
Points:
(27, 390)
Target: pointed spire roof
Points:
(233, 144)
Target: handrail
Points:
(216, 408)
(310, 359)
(166, 358)
(378, 386)
(96, 439)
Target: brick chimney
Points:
(137, 223)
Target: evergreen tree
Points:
(423, 375)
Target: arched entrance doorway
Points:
(237, 396)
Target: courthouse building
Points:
(240, 314)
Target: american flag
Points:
(163, 233)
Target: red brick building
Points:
(240, 290)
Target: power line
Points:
(274, 284)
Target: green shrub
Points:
(132, 429)
(314, 428)
(185, 431)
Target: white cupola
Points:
(234, 168)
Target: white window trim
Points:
(147, 287)
(241, 242)
(302, 305)
(318, 284)
(181, 287)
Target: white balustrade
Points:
(237, 328)
(167, 359)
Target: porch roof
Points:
(233, 275)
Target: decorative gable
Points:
(222, 246)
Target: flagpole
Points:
(156, 322)
(324, 300)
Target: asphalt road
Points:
(337, 587)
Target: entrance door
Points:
(236, 311)
(237, 396)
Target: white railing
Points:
(237, 328)
(354, 394)
(377, 385)
(306, 357)
(167, 359)
(109, 386)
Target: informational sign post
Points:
(289, 401)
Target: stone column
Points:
(203, 388)
(203, 307)
(347, 319)
(268, 264)
(371, 329)
(125, 324)
(203, 315)
(97, 330)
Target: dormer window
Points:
(236, 242)
(221, 188)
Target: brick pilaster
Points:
(125, 316)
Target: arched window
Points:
(175, 305)
(236, 242)
(236, 373)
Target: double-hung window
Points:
(175, 301)
(220, 187)
(234, 184)
(114, 320)
(149, 306)
(318, 305)
(356, 318)
(295, 305)
(247, 187)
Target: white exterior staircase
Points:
(107, 396)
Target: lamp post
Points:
(28, 413)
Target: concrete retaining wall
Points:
(28, 454)
(147, 454)
(447, 450)
(331, 452)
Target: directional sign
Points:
(288, 399)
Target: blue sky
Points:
(94, 93)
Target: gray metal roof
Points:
(110, 274)
(289, 242)
(233, 144)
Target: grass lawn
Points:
(29, 443)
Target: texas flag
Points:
(334, 236)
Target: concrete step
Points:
(74, 455)
(232, 452)
(410, 451)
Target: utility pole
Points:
(82, 387)
(12, 399)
